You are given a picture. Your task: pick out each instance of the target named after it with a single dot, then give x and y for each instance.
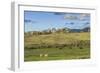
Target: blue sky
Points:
(38, 21)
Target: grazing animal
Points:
(46, 55)
(41, 55)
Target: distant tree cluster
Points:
(72, 44)
(54, 30)
(48, 31)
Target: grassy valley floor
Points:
(46, 47)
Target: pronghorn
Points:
(41, 55)
(46, 55)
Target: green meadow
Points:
(56, 46)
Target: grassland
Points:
(57, 46)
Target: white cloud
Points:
(80, 16)
(83, 15)
(71, 17)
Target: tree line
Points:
(48, 31)
(72, 44)
(54, 30)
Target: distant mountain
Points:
(86, 29)
(75, 30)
